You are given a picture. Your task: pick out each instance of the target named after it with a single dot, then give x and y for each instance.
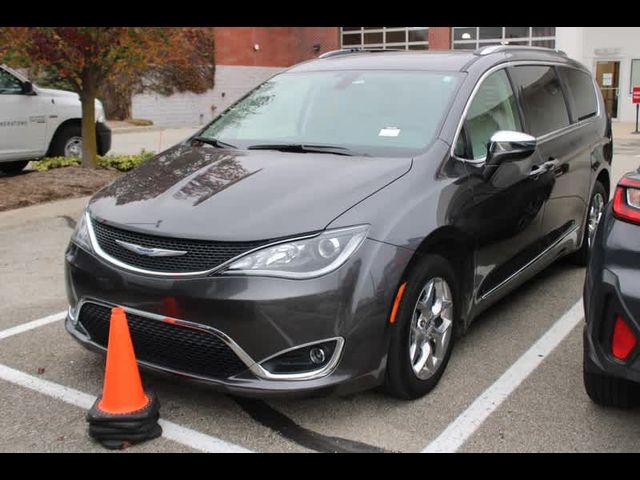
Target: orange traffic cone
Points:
(122, 392)
(125, 413)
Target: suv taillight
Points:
(626, 202)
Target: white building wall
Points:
(190, 109)
(570, 40)
(614, 43)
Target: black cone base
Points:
(118, 431)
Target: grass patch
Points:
(122, 163)
(139, 122)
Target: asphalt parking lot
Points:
(514, 383)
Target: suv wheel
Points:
(594, 215)
(67, 142)
(610, 391)
(12, 168)
(423, 334)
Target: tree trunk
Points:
(116, 98)
(89, 142)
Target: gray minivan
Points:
(338, 227)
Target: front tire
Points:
(12, 168)
(423, 334)
(67, 142)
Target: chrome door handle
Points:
(538, 170)
(552, 164)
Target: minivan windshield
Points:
(373, 113)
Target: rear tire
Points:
(611, 391)
(415, 326)
(606, 390)
(67, 142)
(581, 257)
(12, 168)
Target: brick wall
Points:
(276, 46)
(328, 38)
(439, 38)
(239, 68)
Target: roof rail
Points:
(501, 48)
(345, 51)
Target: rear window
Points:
(542, 99)
(582, 96)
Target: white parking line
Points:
(25, 327)
(458, 431)
(170, 430)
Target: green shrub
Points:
(122, 163)
(55, 162)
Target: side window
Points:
(492, 109)
(9, 85)
(582, 94)
(543, 102)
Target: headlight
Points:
(306, 258)
(80, 235)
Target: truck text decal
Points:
(13, 123)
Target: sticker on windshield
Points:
(389, 132)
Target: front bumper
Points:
(612, 287)
(261, 316)
(103, 138)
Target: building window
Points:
(405, 38)
(470, 38)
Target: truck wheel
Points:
(67, 142)
(11, 168)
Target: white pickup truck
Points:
(37, 122)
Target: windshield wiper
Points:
(213, 142)
(303, 148)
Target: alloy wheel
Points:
(73, 147)
(430, 332)
(595, 214)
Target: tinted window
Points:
(9, 84)
(582, 97)
(385, 113)
(492, 109)
(543, 101)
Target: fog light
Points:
(73, 315)
(624, 340)
(304, 359)
(316, 355)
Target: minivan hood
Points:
(208, 193)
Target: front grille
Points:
(167, 345)
(201, 255)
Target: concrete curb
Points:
(133, 129)
(623, 131)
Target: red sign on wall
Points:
(636, 95)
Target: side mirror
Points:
(508, 146)
(27, 88)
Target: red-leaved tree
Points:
(91, 57)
